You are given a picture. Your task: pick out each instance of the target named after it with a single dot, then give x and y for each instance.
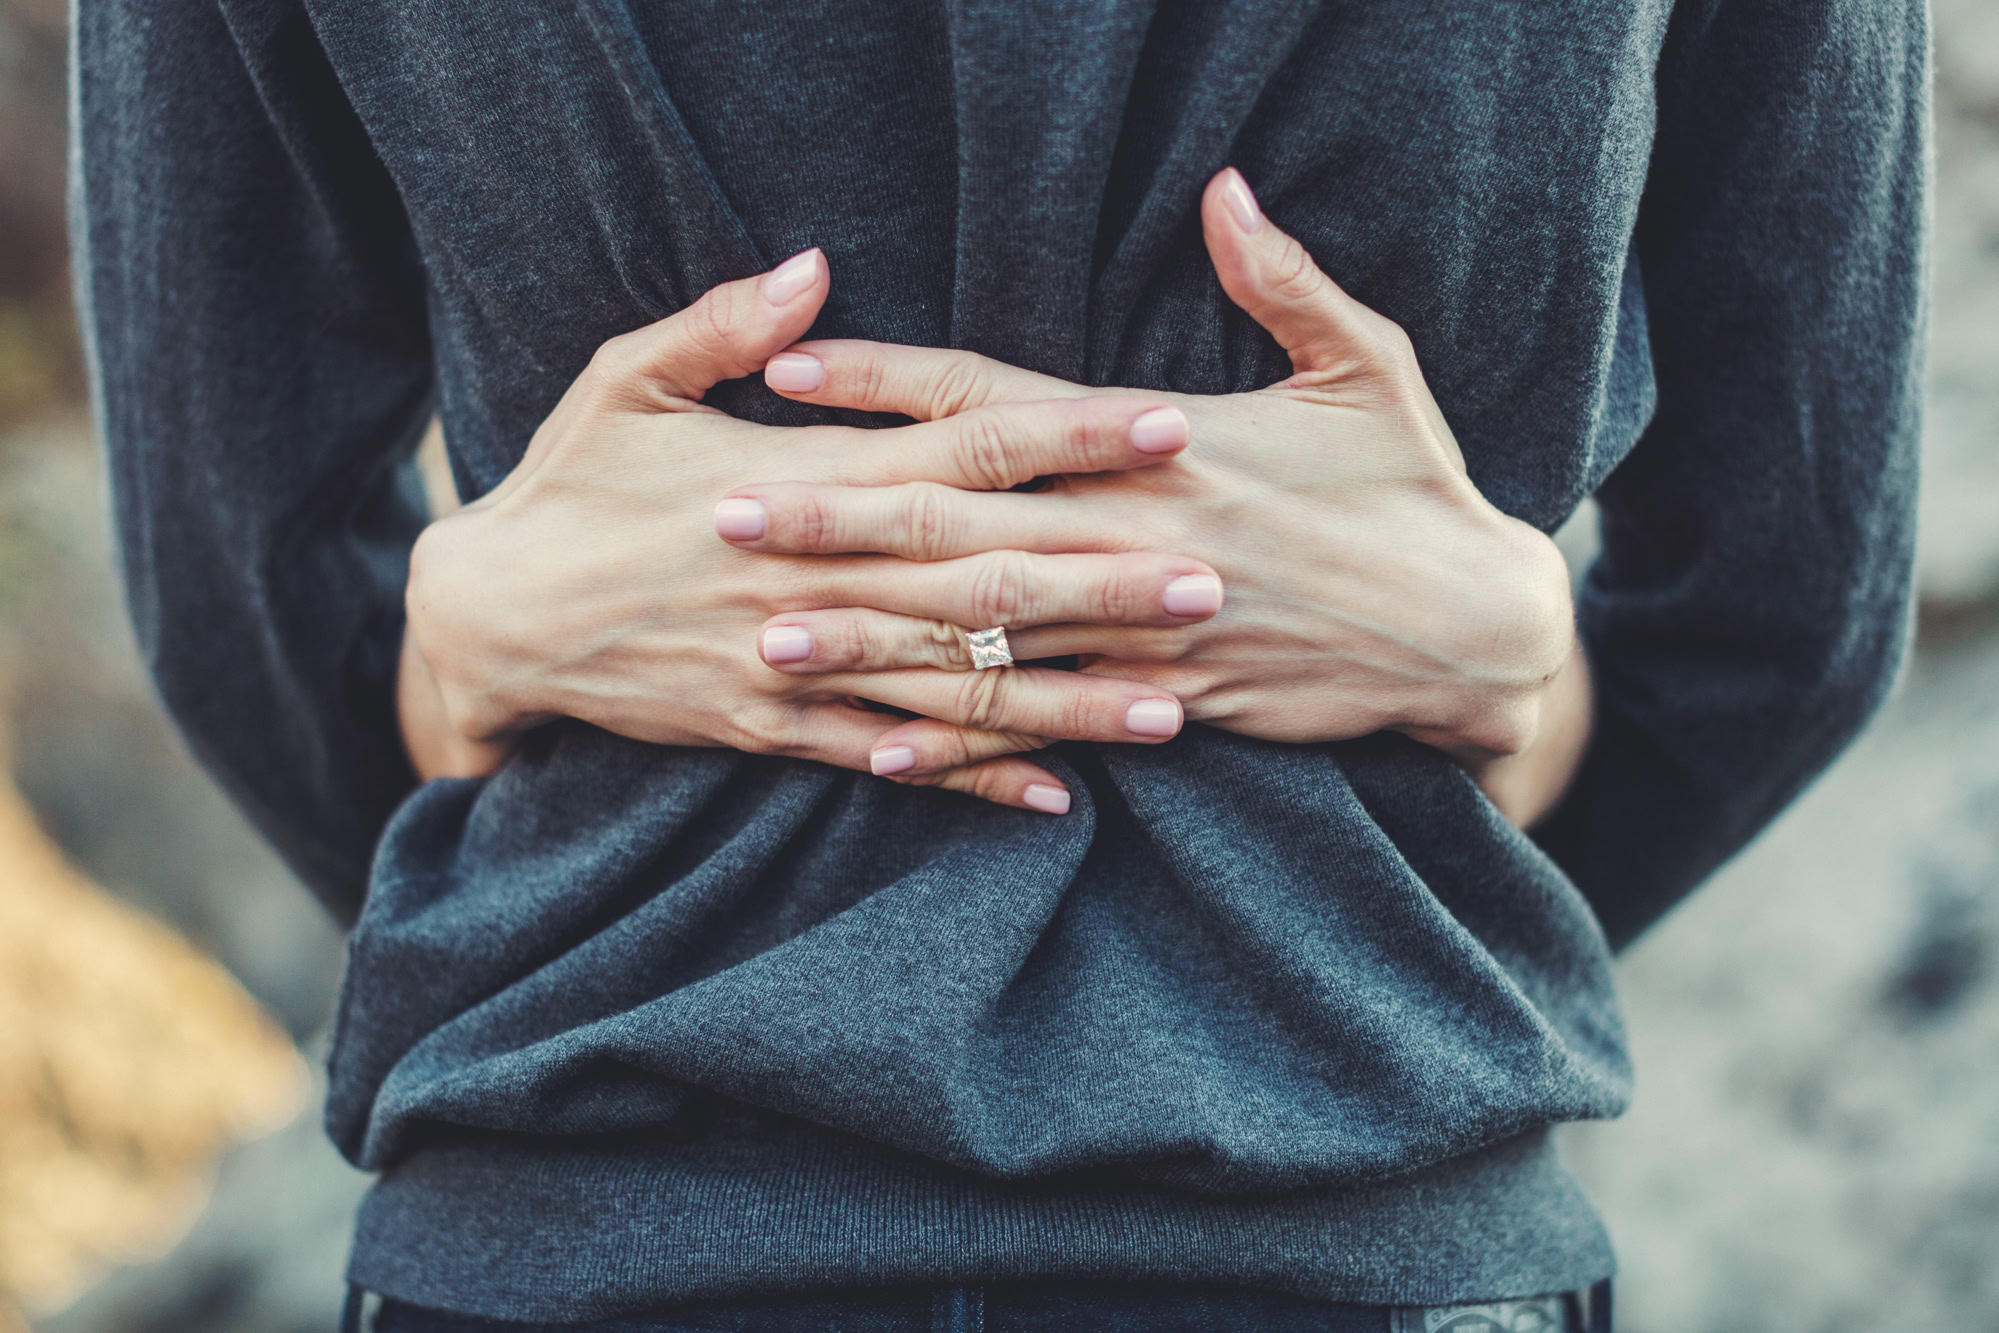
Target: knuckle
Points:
(1209, 699)
(1180, 645)
(929, 525)
(463, 713)
(616, 362)
(1130, 590)
(981, 701)
(863, 646)
(959, 382)
(987, 454)
(427, 564)
(761, 730)
(1085, 435)
(1159, 647)
(1395, 340)
(1390, 348)
(1506, 728)
(810, 520)
(710, 326)
(801, 585)
(1293, 275)
(956, 748)
(1118, 597)
(449, 609)
(752, 730)
(1076, 711)
(998, 595)
(945, 645)
(1533, 622)
(989, 783)
(870, 379)
(710, 333)
(968, 781)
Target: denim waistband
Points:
(1037, 1307)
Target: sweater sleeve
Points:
(1749, 607)
(260, 361)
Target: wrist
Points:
(435, 746)
(1529, 783)
(1512, 638)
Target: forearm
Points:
(261, 365)
(1749, 608)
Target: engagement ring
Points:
(988, 647)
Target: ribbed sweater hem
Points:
(557, 1231)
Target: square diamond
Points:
(989, 647)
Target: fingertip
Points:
(783, 645)
(741, 520)
(795, 372)
(1239, 201)
(1048, 800)
(729, 331)
(832, 372)
(795, 276)
(1194, 596)
(1154, 719)
(1229, 245)
(891, 759)
(1163, 430)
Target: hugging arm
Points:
(254, 309)
(1749, 607)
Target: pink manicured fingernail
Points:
(791, 277)
(741, 520)
(794, 372)
(1160, 431)
(1241, 203)
(895, 759)
(1192, 595)
(1152, 717)
(787, 643)
(1048, 800)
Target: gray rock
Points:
(1815, 1140)
(1959, 532)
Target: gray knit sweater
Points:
(626, 1024)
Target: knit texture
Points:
(626, 1024)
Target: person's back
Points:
(683, 1023)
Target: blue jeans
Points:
(1052, 1307)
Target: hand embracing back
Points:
(1370, 585)
(590, 583)
(664, 571)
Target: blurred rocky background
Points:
(1815, 1144)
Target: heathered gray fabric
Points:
(625, 1024)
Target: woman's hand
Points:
(1370, 585)
(590, 584)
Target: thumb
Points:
(1272, 277)
(731, 331)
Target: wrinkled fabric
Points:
(1292, 1015)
